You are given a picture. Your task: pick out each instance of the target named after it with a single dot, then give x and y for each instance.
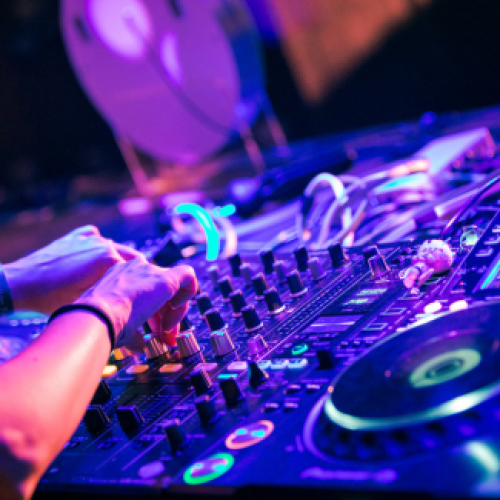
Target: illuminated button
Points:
(459, 305)
(292, 388)
(299, 349)
(249, 435)
(433, 307)
(209, 367)
(271, 407)
(289, 406)
(109, 371)
(151, 470)
(297, 364)
(171, 368)
(279, 364)
(136, 369)
(208, 469)
(264, 364)
(310, 388)
(226, 376)
(237, 366)
(129, 417)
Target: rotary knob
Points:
(185, 325)
(251, 319)
(378, 266)
(337, 255)
(214, 320)
(205, 407)
(301, 257)
(280, 270)
(273, 301)
(95, 418)
(225, 287)
(221, 343)
(267, 259)
(187, 344)
(231, 392)
(316, 269)
(235, 263)
(213, 274)
(237, 302)
(256, 375)
(256, 344)
(175, 434)
(129, 417)
(200, 380)
(259, 285)
(153, 348)
(370, 252)
(203, 302)
(246, 273)
(295, 284)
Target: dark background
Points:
(447, 58)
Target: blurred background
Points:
(330, 65)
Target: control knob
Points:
(256, 375)
(301, 257)
(221, 343)
(295, 284)
(256, 344)
(203, 302)
(200, 380)
(187, 344)
(273, 301)
(267, 259)
(235, 263)
(337, 255)
(206, 410)
(237, 302)
(259, 285)
(175, 434)
(214, 320)
(251, 319)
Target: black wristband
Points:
(90, 308)
(6, 303)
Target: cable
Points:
(230, 236)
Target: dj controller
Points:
(304, 372)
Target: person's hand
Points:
(60, 272)
(133, 292)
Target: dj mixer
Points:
(304, 372)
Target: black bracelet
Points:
(93, 309)
(6, 303)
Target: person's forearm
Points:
(45, 391)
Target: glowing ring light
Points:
(206, 222)
(208, 469)
(248, 435)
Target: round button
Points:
(136, 369)
(249, 435)
(151, 470)
(109, 371)
(171, 368)
(208, 469)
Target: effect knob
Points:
(231, 392)
(316, 269)
(237, 302)
(200, 380)
(251, 319)
(214, 320)
(280, 270)
(203, 302)
(301, 257)
(235, 263)
(273, 301)
(337, 255)
(267, 259)
(256, 344)
(153, 348)
(246, 273)
(175, 435)
(259, 285)
(295, 284)
(378, 266)
(225, 287)
(95, 418)
(187, 344)
(185, 325)
(129, 417)
(256, 375)
(213, 274)
(206, 410)
(221, 343)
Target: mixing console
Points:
(304, 370)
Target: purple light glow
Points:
(124, 26)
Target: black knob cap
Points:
(251, 318)
(206, 410)
(214, 320)
(337, 255)
(256, 375)
(102, 394)
(237, 302)
(370, 252)
(267, 259)
(203, 302)
(231, 392)
(325, 359)
(200, 380)
(273, 301)
(129, 417)
(225, 286)
(175, 434)
(235, 263)
(301, 256)
(259, 285)
(185, 325)
(295, 284)
(95, 418)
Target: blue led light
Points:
(259, 433)
(240, 432)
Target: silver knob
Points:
(221, 342)
(256, 344)
(378, 266)
(316, 268)
(187, 344)
(153, 348)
